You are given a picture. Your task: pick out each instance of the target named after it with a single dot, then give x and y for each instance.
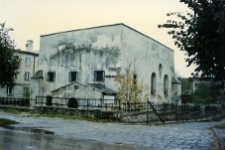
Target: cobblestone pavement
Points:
(178, 136)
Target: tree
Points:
(203, 94)
(130, 89)
(201, 34)
(9, 63)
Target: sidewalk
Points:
(220, 133)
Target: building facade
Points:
(83, 63)
(21, 87)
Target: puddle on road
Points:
(32, 130)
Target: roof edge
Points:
(116, 24)
(82, 29)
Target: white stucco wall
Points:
(105, 48)
(149, 55)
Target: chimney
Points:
(29, 45)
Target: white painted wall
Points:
(88, 50)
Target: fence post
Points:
(87, 103)
(147, 112)
(176, 113)
(119, 105)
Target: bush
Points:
(97, 113)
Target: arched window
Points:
(153, 84)
(160, 69)
(166, 85)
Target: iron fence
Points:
(81, 103)
(184, 112)
(7, 101)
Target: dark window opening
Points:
(51, 76)
(153, 84)
(135, 79)
(100, 76)
(73, 103)
(166, 85)
(72, 76)
(9, 89)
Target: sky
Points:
(32, 18)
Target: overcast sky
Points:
(32, 18)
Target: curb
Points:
(220, 134)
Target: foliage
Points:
(130, 89)
(203, 94)
(97, 113)
(10, 63)
(4, 122)
(186, 86)
(201, 34)
(11, 110)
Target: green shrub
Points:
(97, 113)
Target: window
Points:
(153, 84)
(25, 90)
(27, 61)
(99, 76)
(196, 85)
(72, 76)
(166, 84)
(51, 76)
(160, 69)
(27, 76)
(135, 78)
(9, 90)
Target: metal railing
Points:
(169, 112)
(81, 103)
(8, 101)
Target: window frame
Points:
(8, 89)
(51, 76)
(27, 76)
(153, 84)
(71, 76)
(27, 61)
(25, 91)
(96, 76)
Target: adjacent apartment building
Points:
(21, 88)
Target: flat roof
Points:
(36, 53)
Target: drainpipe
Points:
(34, 66)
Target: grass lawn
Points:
(4, 122)
(55, 114)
